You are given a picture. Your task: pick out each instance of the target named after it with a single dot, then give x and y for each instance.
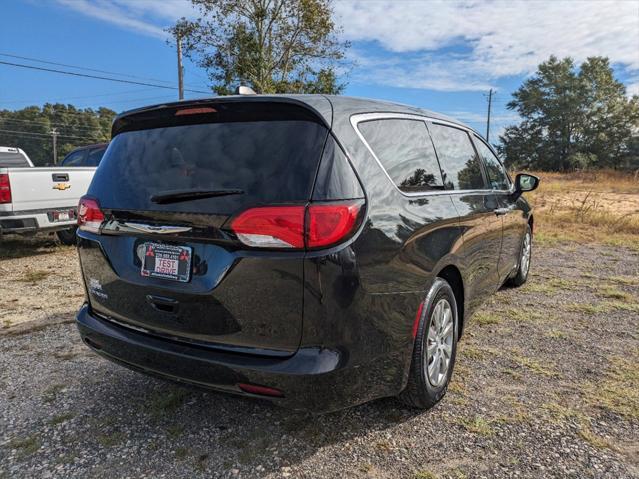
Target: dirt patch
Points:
(40, 281)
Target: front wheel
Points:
(67, 237)
(524, 259)
(434, 350)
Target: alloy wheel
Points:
(439, 343)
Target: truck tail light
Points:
(5, 188)
(90, 216)
(317, 225)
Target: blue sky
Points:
(439, 55)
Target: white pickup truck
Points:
(34, 199)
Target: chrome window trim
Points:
(362, 117)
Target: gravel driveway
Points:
(546, 385)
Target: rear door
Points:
(513, 217)
(229, 296)
(476, 205)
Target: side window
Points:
(406, 151)
(75, 158)
(95, 156)
(460, 164)
(497, 177)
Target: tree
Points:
(30, 129)
(571, 119)
(273, 46)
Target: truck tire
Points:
(67, 237)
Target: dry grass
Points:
(583, 207)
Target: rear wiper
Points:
(175, 196)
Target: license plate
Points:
(63, 216)
(167, 262)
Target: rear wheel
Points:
(524, 260)
(435, 348)
(67, 237)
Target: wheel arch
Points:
(453, 277)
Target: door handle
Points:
(502, 211)
(60, 177)
(166, 305)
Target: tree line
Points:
(30, 129)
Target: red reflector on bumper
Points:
(261, 390)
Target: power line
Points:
(65, 98)
(52, 70)
(84, 68)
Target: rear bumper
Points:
(313, 379)
(30, 222)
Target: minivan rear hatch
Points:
(168, 186)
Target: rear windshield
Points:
(271, 161)
(10, 159)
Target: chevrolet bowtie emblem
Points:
(61, 186)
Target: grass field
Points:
(587, 207)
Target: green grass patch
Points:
(26, 446)
(617, 392)
(166, 401)
(51, 393)
(615, 293)
(478, 425)
(425, 474)
(111, 439)
(34, 276)
(60, 418)
(485, 319)
(588, 308)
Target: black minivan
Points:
(317, 251)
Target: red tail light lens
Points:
(330, 223)
(318, 225)
(5, 189)
(90, 216)
(271, 227)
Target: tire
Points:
(424, 390)
(524, 263)
(67, 237)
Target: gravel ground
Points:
(546, 385)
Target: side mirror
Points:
(525, 182)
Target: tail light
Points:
(90, 216)
(5, 188)
(314, 226)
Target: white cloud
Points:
(497, 38)
(147, 17)
(414, 39)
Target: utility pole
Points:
(54, 135)
(490, 103)
(178, 38)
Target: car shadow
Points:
(14, 246)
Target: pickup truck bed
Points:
(41, 198)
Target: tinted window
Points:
(497, 177)
(406, 151)
(271, 161)
(95, 156)
(75, 158)
(11, 159)
(460, 165)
